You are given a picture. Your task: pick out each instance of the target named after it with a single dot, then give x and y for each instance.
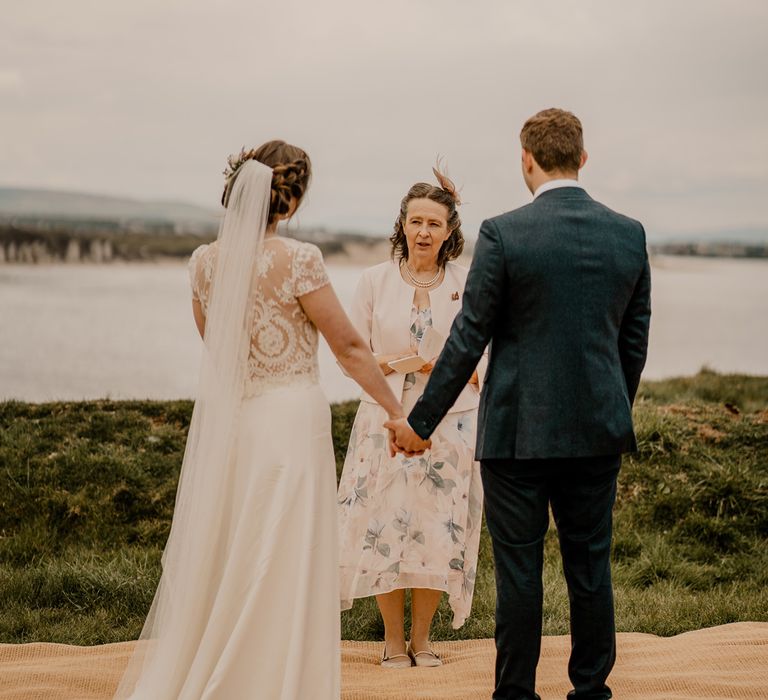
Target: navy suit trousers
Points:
(581, 493)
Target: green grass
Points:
(87, 492)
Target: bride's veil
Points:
(194, 556)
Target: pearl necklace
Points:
(419, 283)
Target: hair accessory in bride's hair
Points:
(235, 162)
(445, 182)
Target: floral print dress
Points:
(411, 522)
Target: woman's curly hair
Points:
(445, 193)
(291, 173)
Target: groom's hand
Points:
(403, 439)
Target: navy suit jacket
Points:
(560, 288)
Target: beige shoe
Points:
(396, 661)
(425, 659)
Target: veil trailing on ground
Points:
(194, 556)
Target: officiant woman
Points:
(412, 522)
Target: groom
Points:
(560, 288)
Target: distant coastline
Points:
(48, 241)
(711, 249)
(58, 241)
(48, 227)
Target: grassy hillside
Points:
(87, 492)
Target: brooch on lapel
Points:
(455, 296)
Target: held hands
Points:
(403, 439)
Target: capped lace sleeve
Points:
(309, 273)
(201, 273)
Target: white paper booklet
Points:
(429, 348)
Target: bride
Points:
(247, 604)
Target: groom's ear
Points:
(584, 156)
(528, 161)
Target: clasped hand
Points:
(403, 439)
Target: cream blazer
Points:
(381, 312)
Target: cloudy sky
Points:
(146, 98)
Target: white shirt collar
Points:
(554, 184)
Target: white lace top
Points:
(283, 340)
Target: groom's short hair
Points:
(554, 138)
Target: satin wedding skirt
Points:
(265, 624)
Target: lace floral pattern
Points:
(283, 339)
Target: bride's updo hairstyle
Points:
(444, 193)
(291, 173)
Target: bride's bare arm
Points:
(324, 310)
(197, 312)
